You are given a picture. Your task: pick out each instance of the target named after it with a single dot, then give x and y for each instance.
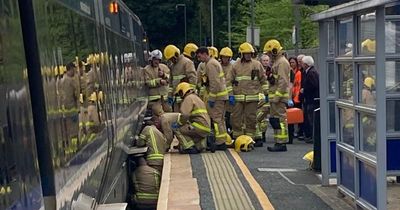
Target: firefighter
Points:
(146, 182)
(182, 70)
(157, 77)
(189, 51)
(246, 80)
(70, 108)
(225, 57)
(217, 95)
(278, 96)
(151, 137)
(367, 94)
(213, 52)
(263, 104)
(195, 123)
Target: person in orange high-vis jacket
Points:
(296, 71)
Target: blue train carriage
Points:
(83, 60)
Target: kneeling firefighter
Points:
(195, 122)
(278, 94)
(146, 182)
(151, 137)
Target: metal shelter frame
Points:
(358, 149)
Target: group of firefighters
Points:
(206, 108)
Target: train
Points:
(72, 97)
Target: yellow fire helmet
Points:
(272, 46)
(171, 51)
(244, 143)
(213, 52)
(246, 47)
(190, 50)
(226, 51)
(369, 82)
(309, 156)
(369, 45)
(183, 88)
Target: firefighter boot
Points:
(259, 142)
(190, 150)
(278, 148)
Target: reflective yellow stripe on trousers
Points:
(145, 196)
(200, 126)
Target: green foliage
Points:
(164, 24)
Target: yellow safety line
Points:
(260, 194)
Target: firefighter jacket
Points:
(194, 107)
(146, 182)
(367, 97)
(246, 81)
(155, 141)
(153, 81)
(279, 80)
(227, 69)
(201, 79)
(70, 95)
(216, 81)
(182, 71)
(92, 82)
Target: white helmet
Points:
(155, 54)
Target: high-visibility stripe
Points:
(200, 126)
(178, 77)
(153, 141)
(199, 111)
(222, 93)
(155, 157)
(186, 143)
(239, 97)
(221, 74)
(229, 88)
(155, 97)
(349, 125)
(252, 98)
(243, 78)
(70, 111)
(89, 124)
(149, 196)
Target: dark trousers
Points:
(309, 119)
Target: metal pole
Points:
(185, 24)
(252, 22)
(296, 13)
(212, 23)
(229, 24)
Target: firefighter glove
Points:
(231, 100)
(211, 104)
(170, 100)
(175, 126)
(290, 103)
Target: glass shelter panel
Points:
(346, 37)
(332, 118)
(392, 77)
(393, 116)
(331, 79)
(392, 29)
(368, 133)
(347, 126)
(366, 87)
(367, 34)
(331, 38)
(346, 81)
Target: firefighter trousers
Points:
(198, 136)
(217, 114)
(243, 119)
(278, 111)
(167, 119)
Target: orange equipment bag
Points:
(294, 116)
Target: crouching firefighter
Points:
(194, 123)
(278, 94)
(151, 137)
(146, 182)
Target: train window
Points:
(346, 37)
(366, 36)
(393, 116)
(346, 81)
(366, 85)
(392, 29)
(346, 125)
(392, 77)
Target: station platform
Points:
(247, 180)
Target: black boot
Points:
(221, 147)
(278, 148)
(211, 146)
(191, 150)
(259, 143)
